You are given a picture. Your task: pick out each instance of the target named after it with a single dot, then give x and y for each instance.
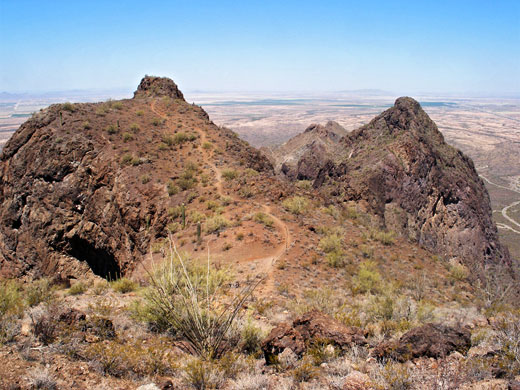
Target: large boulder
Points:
(430, 340)
(310, 327)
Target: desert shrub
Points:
(264, 219)
(196, 217)
(251, 338)
(100, 287)
(128, 159)
(332, 211)
(305, 371)
(44, 323)
(123, 285)
(458, 272)
(111, 129)
(9, 328)
(77, 288)
(145, 178)
(296, 205)
(173, 227)
(157, 121)
(203, 375)
(172, 188)
(190, 297)
(11, 302)
(304, 184)
(247, 381)
(331, 243)
(180, 138)
(86, 125)
(250, 172)
(229, 174)
(245, 192)
(207, 145)
(68, 107)
(38, 291)
(216, 223)
(397, 376)
(127, 137)
(42, 379)
(212, 205)
(507, 336)
(117, 105)
(139, 113)
(367, 279)
(134, 128)
(321, 351)
(335, 259)
(187, 179)
(385, 238)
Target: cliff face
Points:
(417, 184)
(411, 179)
(303, 155)
(85, 186)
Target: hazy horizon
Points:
(465, 48)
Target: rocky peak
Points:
(152, 86)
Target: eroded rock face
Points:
(302, 157)
(417, 185)
(152, 86)
(430, 340)
(83, 187)
(312, 326)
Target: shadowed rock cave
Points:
(100, 261)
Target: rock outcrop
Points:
(430, 340)
(414, 182)
(312, 326)
(302, 157)
(84, 187)
(152, 86)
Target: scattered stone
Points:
(313, 325)
(430, 340)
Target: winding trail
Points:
(504, 210)
(265, 263)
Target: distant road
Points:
(504, 210)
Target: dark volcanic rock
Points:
(416, 184)
(72, 198)
(312, 326)
(430, 340)
(302, 157)
(152, 86)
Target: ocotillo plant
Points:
(198, 233)
(183, 215)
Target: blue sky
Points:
(463, 47)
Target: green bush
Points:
(123, 285)
(134, 127)
(11, 302)
(264, 219)
(157, 121)
(229, 174)
(331, 243)
(251, 338)
(77, 288)
(38, 291)
(216, 223)
(117, 105)
(367, 279)
(191, 298)
(127, 137)
(112, 129)
(296, 205)
(172, 188)
(68, 107)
